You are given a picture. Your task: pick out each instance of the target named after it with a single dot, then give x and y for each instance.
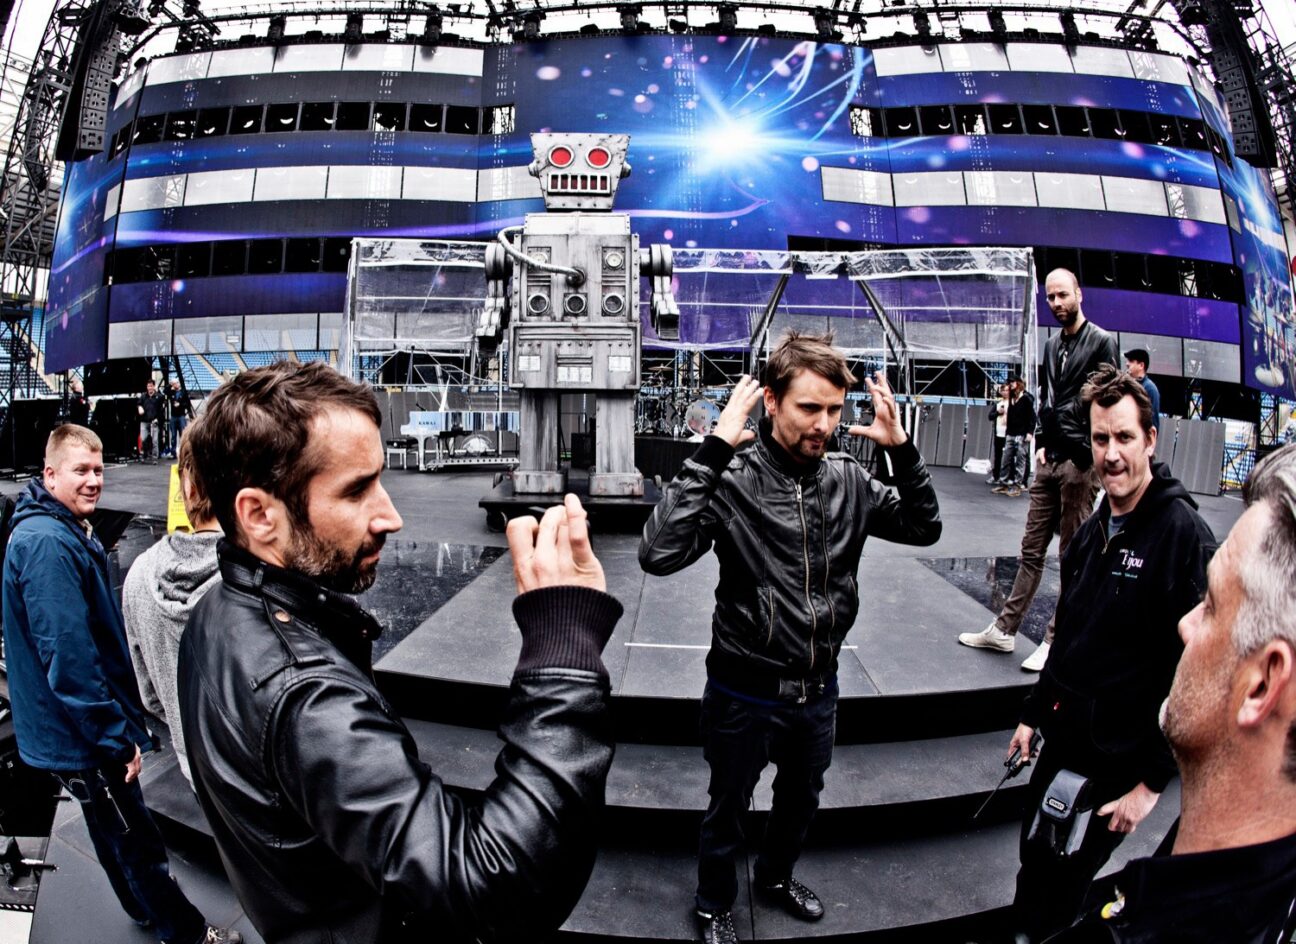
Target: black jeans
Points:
(739, 738)
(1050, 890)
(130, 851)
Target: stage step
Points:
(884, 788)
(922, 888)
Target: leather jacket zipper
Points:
(769, 634)
(823, 534)
(805, 556)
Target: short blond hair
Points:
(69, 434)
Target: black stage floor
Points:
(922, 723)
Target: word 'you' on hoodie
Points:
(161, 589)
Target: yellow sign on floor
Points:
(177, 520)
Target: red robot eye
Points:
(560, 156)
(598, 158)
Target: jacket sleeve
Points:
(59, 618)
(513, 862)
(1107, 353)
(130, 618)
(910, 514)
(1039, 699)
(678, 532)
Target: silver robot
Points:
(573, 312)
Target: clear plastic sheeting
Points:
(722, 295)
(971, 304)
(896, 305)
(953, 304)
(974, 304)
(412, 294)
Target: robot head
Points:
(579, 171)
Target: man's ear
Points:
(262, 518)
(771, 401)
(1268, 676)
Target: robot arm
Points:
(657, 263)
(493, 318)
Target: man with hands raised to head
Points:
(330, 826)
(788, 521)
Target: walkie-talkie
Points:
(1015, 764)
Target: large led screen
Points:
(76, 326)
(736, 142)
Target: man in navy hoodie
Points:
(1133, 569)
(76, 707)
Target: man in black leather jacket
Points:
(1227, 871)
(329, 825)
(788, 521)
(1064, 486)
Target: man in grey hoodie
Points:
(163, 585)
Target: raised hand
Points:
(731, 427)
(556, 550)
(885, 430)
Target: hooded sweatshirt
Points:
(1117, 642)
(160, 590)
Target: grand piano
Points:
(462, 438)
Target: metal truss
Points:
(1245, 25)
(875, 22)
(1274, 75)
(30, 199)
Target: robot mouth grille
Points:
(599, 184)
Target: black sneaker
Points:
(795, 898)
(717, 927)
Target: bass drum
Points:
(701, 416)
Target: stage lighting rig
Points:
(630, 13)
(432, 27)
(998, 27)
(922, 25)
(826, 24)
(531, 25)
(1070, 32)
(354, 28)
(131, 19)
(278, 26)
(728, 14)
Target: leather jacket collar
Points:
(780, 458)
(337, 616)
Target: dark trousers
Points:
(1016, 458)
(1061, 498)
(739, 738)
(1051, 890)
(178, 425)
(130, 851)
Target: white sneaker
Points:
(992, 637)
(1035, 661)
